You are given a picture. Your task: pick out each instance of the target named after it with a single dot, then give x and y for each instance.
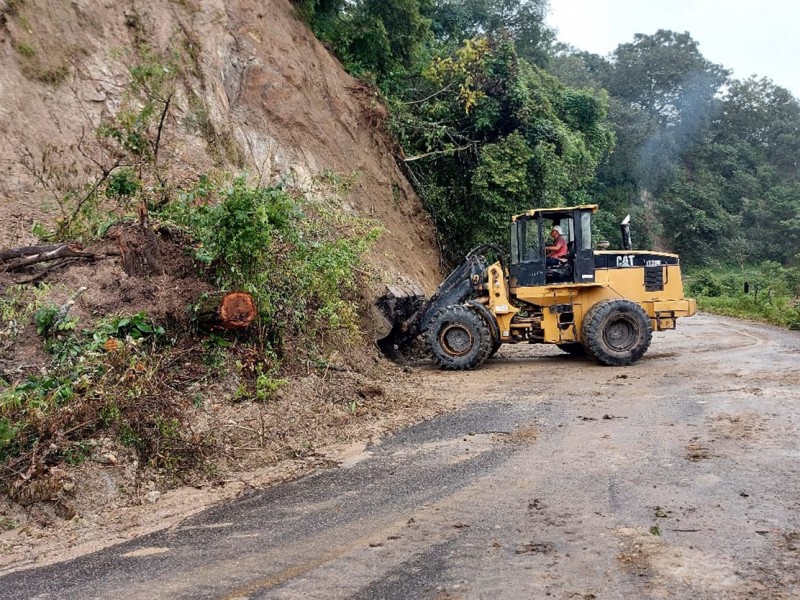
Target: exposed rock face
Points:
(258, 94)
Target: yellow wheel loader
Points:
(604, 303)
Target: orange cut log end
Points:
(237, 310)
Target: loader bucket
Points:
(399, 305)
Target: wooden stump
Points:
(139, 251)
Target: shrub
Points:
(766, 292)
(299, 259)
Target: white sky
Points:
(760, 37)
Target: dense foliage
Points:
(486, 131)
(708, 163)
(296, 258)
(494, 117)
(765, 292)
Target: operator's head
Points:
(557, 231)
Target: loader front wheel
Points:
(616, 332)
(459, 339)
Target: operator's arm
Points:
(558, 245)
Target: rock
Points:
(152, 497)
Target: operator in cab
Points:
(558, 248)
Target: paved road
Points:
(677, 477)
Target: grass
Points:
(24, 49)
(781, 311)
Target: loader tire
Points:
(491, 324)
(459, 339)
(616, 332)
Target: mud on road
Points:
(677, 477)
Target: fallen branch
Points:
(433, 95)
(45, 272)
(31, 255)
(12, 253)
(437, 152)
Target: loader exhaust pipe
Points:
(625, 226)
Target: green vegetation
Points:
(766, 292)
(706, 164)
(24, 49)
(122, 376)
(511, 137)
(494, 117)
(297, 258)
(113, 376)
(17, 305)
(487, 132)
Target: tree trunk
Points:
(139, 250)
(227, 310)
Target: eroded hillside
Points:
(258, 93)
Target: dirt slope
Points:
(260, 94)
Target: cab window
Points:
(533, 248)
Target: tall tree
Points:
(666, 75)
(764, 117)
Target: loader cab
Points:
(530, 233)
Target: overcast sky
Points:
(759, 37)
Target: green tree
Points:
(664, 105)
(521, 21)
(765, 118)
(492, 135)
(666, 75)
(375, 39)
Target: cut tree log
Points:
(16, 258)
(226, 310)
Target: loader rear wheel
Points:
(459, 339)
(616, 332)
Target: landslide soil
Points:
(258, 95)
